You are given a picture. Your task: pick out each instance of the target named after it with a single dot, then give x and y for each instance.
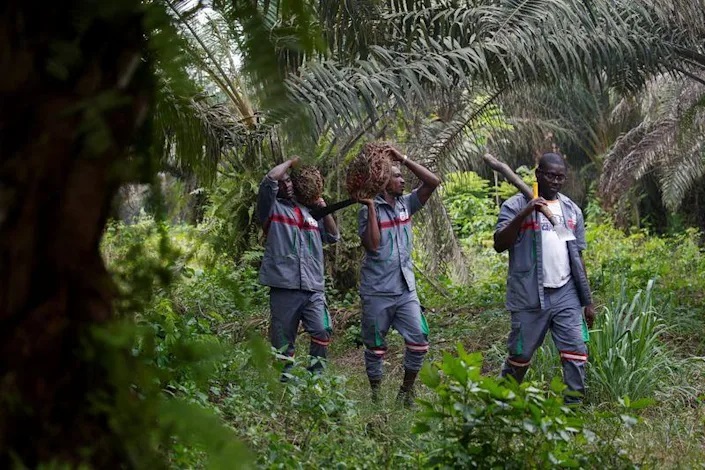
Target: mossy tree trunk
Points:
(74, 93)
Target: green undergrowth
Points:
(204, 324)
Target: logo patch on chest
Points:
(403, 215)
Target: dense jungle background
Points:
(134, 135)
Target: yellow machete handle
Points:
(536, 189)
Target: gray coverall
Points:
(388, 286)
(534, 308)
(292, 267)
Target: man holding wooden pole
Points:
(547, 285)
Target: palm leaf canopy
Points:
(223, 60)
(446, 44)
(668, 142)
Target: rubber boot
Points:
(317, 366)
(284, 378)
(375, 385)
(406, 391)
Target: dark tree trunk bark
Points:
(74, 90)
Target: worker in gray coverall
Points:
(387, 285)
(292, 266)
(547, 285)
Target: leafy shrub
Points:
(466, 198)
(162, 404)
(676, 263)
(480, 422)
(226, 297)
(505, 190)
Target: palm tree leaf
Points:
(438, 241)
(539, 40)
(661, 143)
(681, 174)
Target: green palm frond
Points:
(350, 26)
(687, 20)
(527, 138)
(459, 143)
(180, 137)
(186, 139)
(528, 119)
(495, 44)
(195, 135)
(670, 136)
(682, 174)
(275, 37)
(591, 114)
(446, 144)
(211, 47)
(201, 127)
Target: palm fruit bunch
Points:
(308, 184)
(369, 172)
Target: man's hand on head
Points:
(395, 154)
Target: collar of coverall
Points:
(380, 199)
(289, 202)
(559, 197)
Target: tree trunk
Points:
(74, 90)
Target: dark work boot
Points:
(406, 391)
(375, 385)
(317, 366)
(284, 378)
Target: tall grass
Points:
(546, 363)
(627, 357)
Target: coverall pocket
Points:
(424, 325)
(327, 323)
(516, 340)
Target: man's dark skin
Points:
(550, 175)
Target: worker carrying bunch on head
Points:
(387, 285)
(292, 265)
